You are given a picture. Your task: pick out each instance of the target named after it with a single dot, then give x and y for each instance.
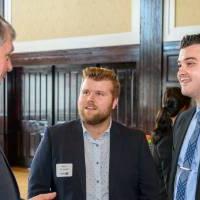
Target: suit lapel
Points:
(198, 188)
(179, 135)
(115, 149)
(80, 156)
(1, 151)
(11, 173)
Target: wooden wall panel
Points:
(37, 93)
(3, 111)
(49, 94)
(13, 136)
(148, 70)
(67, 85)
(151, 39)
(170, 68)
(36, 107)
(127, 53)
(126, 112)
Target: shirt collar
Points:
(106, 132)
(197, 110)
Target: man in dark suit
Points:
(8, 186)
(184, 177)
(94, 158)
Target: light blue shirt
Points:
(97, 156)
(192, 179)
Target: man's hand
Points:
(48, 196)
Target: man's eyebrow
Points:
(188, 58)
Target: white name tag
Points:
(64, 170)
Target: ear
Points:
(115, 102)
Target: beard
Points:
(94, 119)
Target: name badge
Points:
(64, 170)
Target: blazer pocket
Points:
(64, 179)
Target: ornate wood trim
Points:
(128, 53)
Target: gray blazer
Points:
(8, 185)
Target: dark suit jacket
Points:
(179, 132)
(132, 174)
(8, 185)
(162, 152)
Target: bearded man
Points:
(94, 158)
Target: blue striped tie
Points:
(189, 155)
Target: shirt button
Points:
(97, 145)
(97, 181)
(97, 162)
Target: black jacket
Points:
(8, 185)
(132, 174)
(162, 153)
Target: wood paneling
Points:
(36, 104)
(151, 39)
(44, 86)
(49, 95)
(126, 53)
(67, 85)
(126, 112)
(3, 111)
(37, 93)
(14, 135)
(170, 68)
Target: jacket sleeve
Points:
(40, 177)
(148, 180)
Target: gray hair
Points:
(5, 29)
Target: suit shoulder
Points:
(64, 127)
(127, 130)
(185, 114)
(189, 111)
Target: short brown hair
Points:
(6, 28)
(100, 73)
(189, 40)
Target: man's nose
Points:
(181, 71)
(91, 96)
